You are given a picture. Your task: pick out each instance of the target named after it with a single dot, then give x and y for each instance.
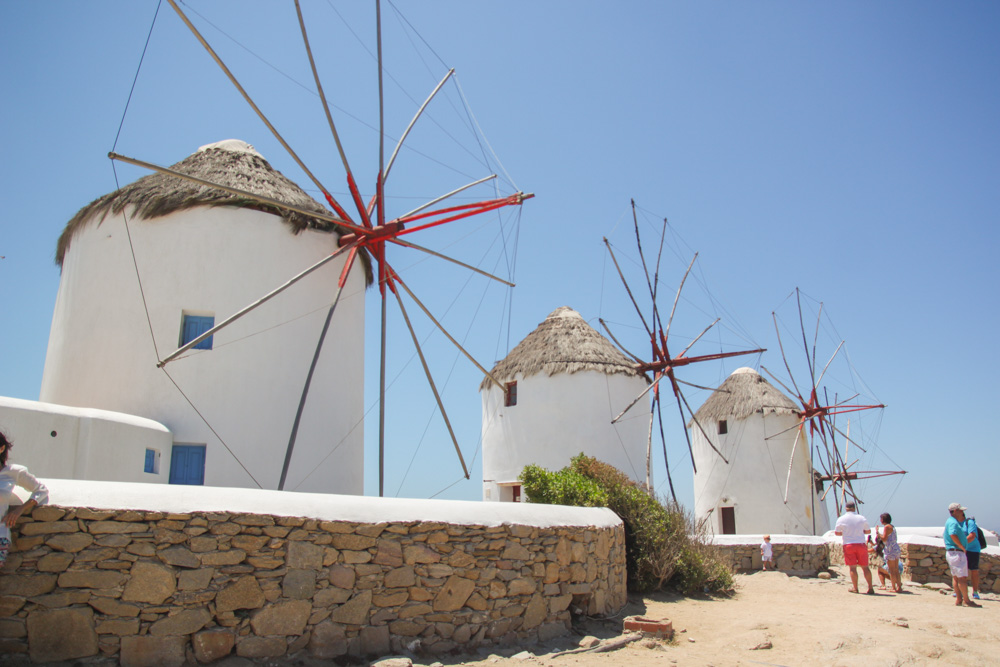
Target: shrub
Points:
(662, 549)
(566, 487)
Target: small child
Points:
(766, 553)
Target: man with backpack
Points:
(972, 551)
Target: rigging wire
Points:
(457, 354)
(135, 264)
(135, 79)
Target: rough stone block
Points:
(393, 599)
(195, 580)
(213, 645)
(407, 628)
(119, 627)
(419, 553)
(343, 577)
(203, 544)
(253, 520)
(304, 556)
(90, 579)
(282, 618)
(61, 634)
(328, 597)
(103, 527)
(299, 584)
(390, 552)
(112, 607)
(185, 622)
(12, 628)
(375, 640)
(454, 594)
(230, 557)
(147, 651)
(355, 611)
(149, 582)
(356, 557)
(54, 562)
(179, 557)
(27, 585)
(400, 577)
(522, 586)
(249, 543)
(261, 647)
(10, 605)
(328, 640)
(245, 593)
(48, 527)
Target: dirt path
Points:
(797, 621)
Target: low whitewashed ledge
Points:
(929, 536)
(325, 507)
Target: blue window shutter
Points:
(194, 326)
(150, 465)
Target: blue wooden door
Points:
(187, 464)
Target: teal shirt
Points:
(972, 529)
(953, 527)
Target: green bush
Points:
(662, 548)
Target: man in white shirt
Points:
(853, 527)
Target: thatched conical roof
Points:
(563, 343)
(232, 163)
(744, 393)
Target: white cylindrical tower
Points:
(566, 383)
(158, 262)
(755, 427)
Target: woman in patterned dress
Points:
(892, 551)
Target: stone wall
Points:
(201, 585)
(797, 556)
(926, 563)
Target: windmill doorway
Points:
(728, 520)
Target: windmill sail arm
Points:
(249, 100)
(406, 244)
(430, 380)
(614, 260)
(460, 212)
(420, 111)
(448, 195)
(607, 330)
(445, 332)
(267, 297)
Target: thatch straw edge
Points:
(563, 343)
(157, 195)
(744, 393)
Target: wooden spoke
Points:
(430, 380)
(248, 99)
(627, 288)
(666, 331)
(441, 328)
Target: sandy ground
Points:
(774, 619)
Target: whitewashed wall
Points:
(753, 482)
(82, 443)
(216, 261)
(556, 418)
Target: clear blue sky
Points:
(850, 149)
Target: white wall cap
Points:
(91, 413)
(325, 507)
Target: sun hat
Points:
(954, 507)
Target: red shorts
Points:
(856, 554)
